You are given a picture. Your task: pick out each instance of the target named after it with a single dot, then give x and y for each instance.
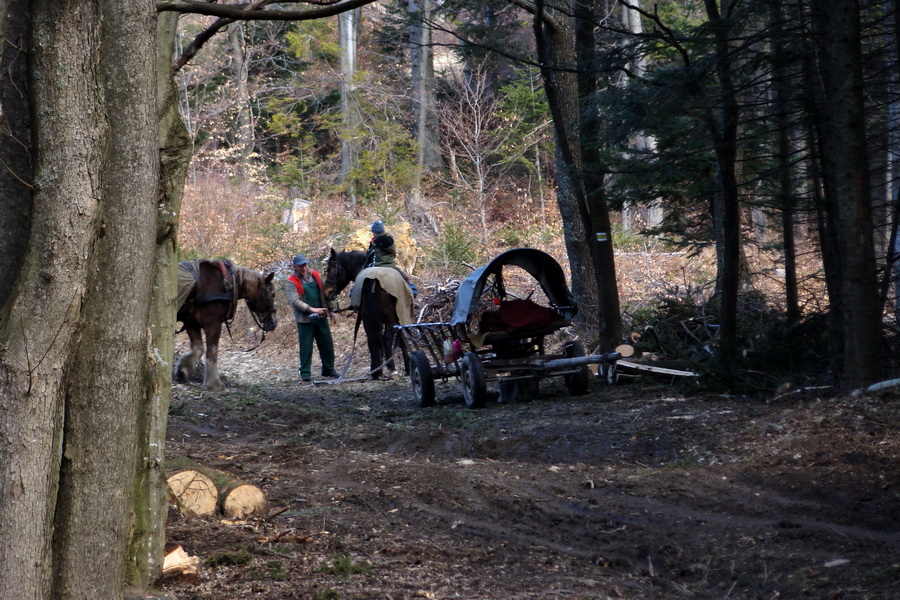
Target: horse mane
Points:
(246, 278)
(355, 256)
(353, 262)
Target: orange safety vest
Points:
(299, 284)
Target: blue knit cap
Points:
(377, 227)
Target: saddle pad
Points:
(393, 283)
(186, 282)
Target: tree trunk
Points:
(555, 43)
(348, 30)
(427, 123)
(844, 156)
(892, 262)
(15, 214)
(636, 217)
(174, 158)
(594, 171)
(423, 85)
(820, 180)
(723, 125)
(785, 168)
(78, 370)
(240, 69)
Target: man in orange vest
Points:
(304, 292)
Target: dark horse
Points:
(377, 307)
(218, 286)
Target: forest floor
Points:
(638, 491)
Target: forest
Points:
(718, 177)
(759, 138)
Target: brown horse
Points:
(218, 286)
(377, 307)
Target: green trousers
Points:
(320, 332)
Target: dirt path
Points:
(633, 491)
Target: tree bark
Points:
(555, 43)
(79, 368)
(175, 152)
(15, 176)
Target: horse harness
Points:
(229, 279)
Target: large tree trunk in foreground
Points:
(79, 369)
(174, 158)
(16, 120)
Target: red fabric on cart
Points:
(524, 315)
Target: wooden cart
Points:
(507, 343)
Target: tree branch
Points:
(229, 13)
(254, 12)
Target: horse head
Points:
(258, 291)
(339, 272)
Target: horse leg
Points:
(187, 362)
(212, 380)
(376, 350)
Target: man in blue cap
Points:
(307, 298)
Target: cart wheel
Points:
(422, 379)
(473, 380)
(577, 383)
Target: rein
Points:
(258, 324)
(256, 320)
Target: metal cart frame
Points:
(517, 361)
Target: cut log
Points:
(194, 492)
(241, 500)
(236, 499)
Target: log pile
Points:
(201, 490)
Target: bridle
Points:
(256, 318)
(332, 269)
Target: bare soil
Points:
(638, 491)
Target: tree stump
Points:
(234, 498)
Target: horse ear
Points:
(270, 276)
(333, 253)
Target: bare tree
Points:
(475, 138)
